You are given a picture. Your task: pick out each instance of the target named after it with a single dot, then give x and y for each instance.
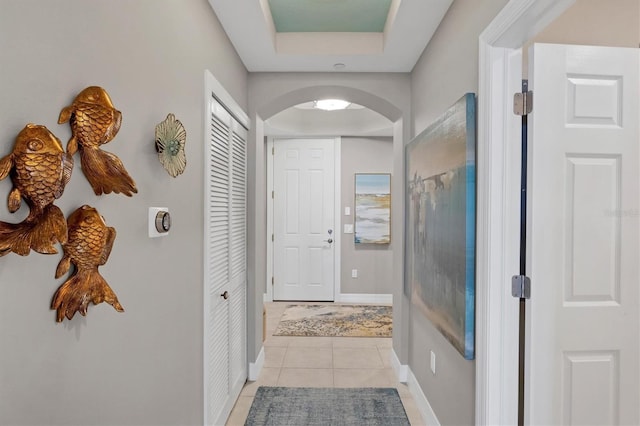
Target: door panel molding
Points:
(268, 294)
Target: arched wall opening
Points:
(270, 94)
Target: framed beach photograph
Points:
(372, 208)
(441, 216)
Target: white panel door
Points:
(304, 232)
(583, 237)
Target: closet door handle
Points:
(225, 295)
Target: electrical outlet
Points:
(354, 273)
(433, 363)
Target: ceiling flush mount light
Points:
(331, 104)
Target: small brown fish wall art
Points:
(39, 169)
(88, 246)
(94, 121)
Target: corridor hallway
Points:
(338, 362)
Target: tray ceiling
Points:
(329, 35)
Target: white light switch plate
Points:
(348, 228)
(347, 211)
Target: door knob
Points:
(225, 295)
(330, 240)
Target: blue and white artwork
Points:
(441, 216)
(373, 208)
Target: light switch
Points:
(347, 211)
(348, 228)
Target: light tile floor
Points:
(322, 362)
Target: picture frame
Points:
(440, 216)
(372, 208)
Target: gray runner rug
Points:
(278, 406)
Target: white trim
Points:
(337, 224)
(217, 90)
(498, 204)
(364, 298)
(205, 289)
(428, 415)
(268, 295)
(256, 367)
(401, 370)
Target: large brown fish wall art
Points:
(94, 121)
(39, 169)
(89, 245)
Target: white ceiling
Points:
(410, 25)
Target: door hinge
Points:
(521, 287)
(273, 238)
(523, 103)
(272, 281)
(273, 194)
(273, 150)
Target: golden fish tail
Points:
(105, 172)
(83, 287)
(39, 232)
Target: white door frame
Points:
(268, 295)
(498, 232)
(213, 88)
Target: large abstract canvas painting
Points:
(441, 214)
(373, 208)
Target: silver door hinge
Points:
(272, 281)
(523, 103)
(272, 238)
(273, 150)
(273, 194)
(521, 287)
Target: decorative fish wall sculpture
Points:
(94, 122)
(39, 170)
(89, 245)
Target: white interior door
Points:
(583, 251)
(303, 219)
(225, 344)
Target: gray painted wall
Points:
(447, 69)
(143, 366)
(373, 262)
(593, 23)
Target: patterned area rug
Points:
(277, 406)
(336, 320)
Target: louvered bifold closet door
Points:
(226, 239)
(217, 244)
(238, 258)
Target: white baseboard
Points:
(364, 298)
(398, 368)
(256, 367)
(428, 415)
